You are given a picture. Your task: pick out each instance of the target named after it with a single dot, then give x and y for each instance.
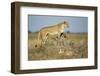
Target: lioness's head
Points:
(65, 24)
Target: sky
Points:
(76, 24)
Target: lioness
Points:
(51, 30)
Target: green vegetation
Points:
(72, 47)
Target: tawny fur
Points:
(51, 30)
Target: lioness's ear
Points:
(65, 22)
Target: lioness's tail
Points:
(38, 36)
(38, 40)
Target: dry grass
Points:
(75, 46)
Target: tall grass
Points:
(72, 47)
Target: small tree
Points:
(29, 31)
(68, 31)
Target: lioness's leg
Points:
(58, 38)
(44, 38)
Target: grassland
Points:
(72, 47)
